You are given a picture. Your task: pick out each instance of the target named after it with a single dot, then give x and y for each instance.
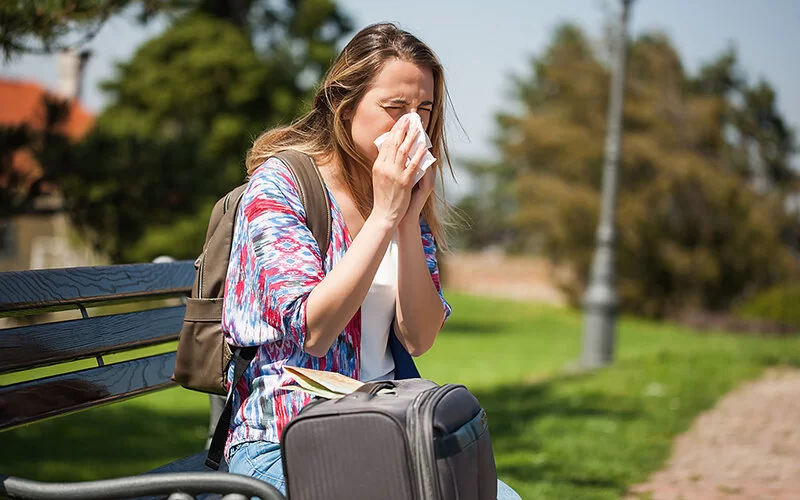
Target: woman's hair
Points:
(323, 134)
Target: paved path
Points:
(746, 447)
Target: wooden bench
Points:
(28, 296)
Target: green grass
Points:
(556, 433)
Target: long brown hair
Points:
(322, 133)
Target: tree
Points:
(688, 211)
(182, 114)
(43, 27)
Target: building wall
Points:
(43, 242)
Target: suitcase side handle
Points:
(461, 438)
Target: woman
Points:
(380, 271)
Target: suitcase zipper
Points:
(420, 431)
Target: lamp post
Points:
(600, 302)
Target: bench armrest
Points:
(193, 483)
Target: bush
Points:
(780, 303)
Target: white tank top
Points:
(377, 315)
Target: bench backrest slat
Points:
(48, 397)
(53, 289)
(30, 337)
(28, 347)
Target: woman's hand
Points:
(392, 181)
(419, 195)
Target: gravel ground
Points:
(495, 274)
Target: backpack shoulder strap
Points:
(313, 194)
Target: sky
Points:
(483, 43)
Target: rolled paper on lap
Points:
(329, 385)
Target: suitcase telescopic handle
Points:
(373, 388)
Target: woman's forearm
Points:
(334, 301)
(419, 308)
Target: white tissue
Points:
(422, 141)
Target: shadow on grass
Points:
(113, 441)
(102, 443)
(514, 409)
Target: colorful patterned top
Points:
(275, 263)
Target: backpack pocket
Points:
(203, 355)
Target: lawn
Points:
(557, 433)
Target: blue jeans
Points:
(262, 460)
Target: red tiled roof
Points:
(23, 103)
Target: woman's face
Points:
(401, 87)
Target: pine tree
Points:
(695, 230)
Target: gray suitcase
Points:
(394, 440)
